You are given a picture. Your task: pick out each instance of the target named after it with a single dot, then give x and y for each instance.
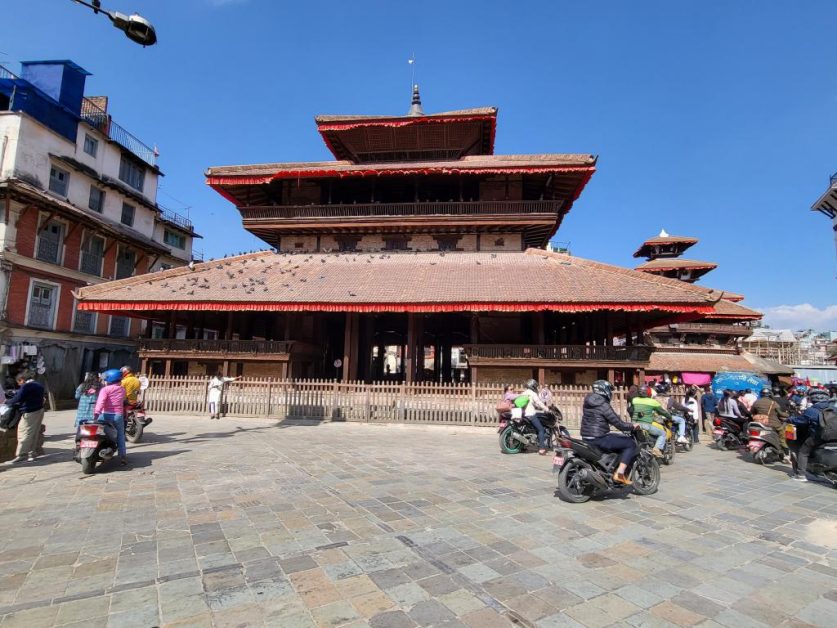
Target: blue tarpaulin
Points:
(738, 380)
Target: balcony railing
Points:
(452, 208)
(704, 328)
(100, 119)
(559, 353)
(253, 347)
(175, 218)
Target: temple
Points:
(663, 258)
(697, 349)
(418, 254)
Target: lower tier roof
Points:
(535, 280)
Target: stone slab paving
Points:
(244, 522)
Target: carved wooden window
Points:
(447, 242)
(399, 243)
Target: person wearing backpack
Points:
(820, 419)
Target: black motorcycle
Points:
(135, 422)
(728, 434)
(584, 471)
(822, 461)
(518, 433)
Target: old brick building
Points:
(78, 196)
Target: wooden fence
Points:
(330, 400)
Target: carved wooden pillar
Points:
(410, 349)
(350, 347)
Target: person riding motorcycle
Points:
(110, 407)
(644, 410)
(767, 406)
(663, 391)
(818, 400)
(597, 417)
(131, 384)
(534, 411)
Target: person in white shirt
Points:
(534, 409)
(216, 390)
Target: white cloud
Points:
(802, 316)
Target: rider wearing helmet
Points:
(110, 406)
(663, 391)
(645, 408)
(818, 400)
(596, 419)
(767, 406)
(534, 411)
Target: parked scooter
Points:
(585, 471)
(135, 422)
(764, 443)
(95, 444)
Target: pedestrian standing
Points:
(86, 393)
(30, 399)
(709, 407)
(216, 391)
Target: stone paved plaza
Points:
(242, 522)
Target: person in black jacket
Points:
(597, 417)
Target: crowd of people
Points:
(101, 397)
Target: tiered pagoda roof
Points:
(534, 280)
(663, 254)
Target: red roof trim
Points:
(237, 306)
(370, 171)
(356, 124)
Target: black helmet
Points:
(663, 388)
(532, 385)
(643, 392)
(603, 388)
(766, 392)
(816, 395)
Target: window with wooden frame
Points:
(92, 255)
(447, 242)
(396, 243)
(43, 302)
(96, 202)
(347, 243)
(50, 242)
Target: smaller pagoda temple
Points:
(663, 254)
(695, 350)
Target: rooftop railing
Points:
(637, 353)
(6, 73)
(100, 119)
(176, 219)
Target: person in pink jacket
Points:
(110, 407)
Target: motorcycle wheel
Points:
(720, 444)
(760, 456)
(136, 435)
(645, 476)
(668, 453)
(571, 488)
(730, 442)
(688, 446)
(508, 445)
(88, 465)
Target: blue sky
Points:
(713, 119)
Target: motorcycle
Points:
(822, 462)
(517, 432)
(585, 471)
(670, 448)
(95, 443)
(135, 422)
(764, 443)
(728, 434)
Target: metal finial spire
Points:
(415, 104)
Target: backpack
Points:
(828, 423)
(9, 416)
(521, 402)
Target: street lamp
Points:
(135, 27)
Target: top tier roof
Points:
(647, 248)
(412, 137)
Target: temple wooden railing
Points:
(238, 347)
(377, 402)
(453, 208)
(704, 328)
(558, 353)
